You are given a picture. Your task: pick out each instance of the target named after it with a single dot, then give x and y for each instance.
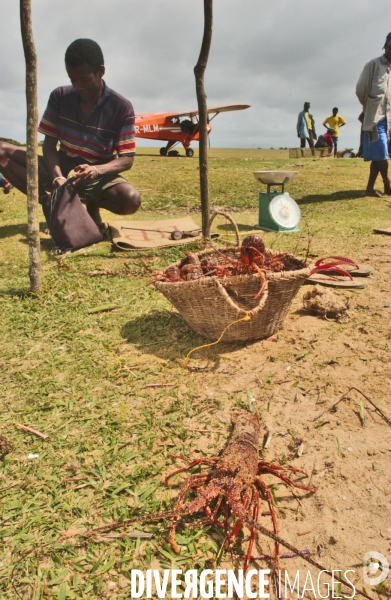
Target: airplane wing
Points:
(192, 113)
(144, 115)
(227, 108)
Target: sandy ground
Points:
(294, 378)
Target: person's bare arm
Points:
(52, 160)
(6, 185)
(85, 173)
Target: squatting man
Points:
(94, 126)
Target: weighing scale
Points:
(277, 210)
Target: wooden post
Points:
(32, 143)
(199, 71)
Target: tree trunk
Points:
(32, 142)
(199, 71)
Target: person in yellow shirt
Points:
(334, 122)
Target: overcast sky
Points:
(272, 54)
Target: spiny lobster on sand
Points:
(230, 488)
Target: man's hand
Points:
(52, 161)
(7, 186)
(84, 174)
(58, 182)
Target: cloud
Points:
(272, 54)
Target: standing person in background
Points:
(306, 126)
(334, 122)
(374, 93)
(325, 140)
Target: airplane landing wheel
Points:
(189, 152)
(163, 151)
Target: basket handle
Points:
(224, 213)
(262, 301)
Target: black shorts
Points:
(91, 191)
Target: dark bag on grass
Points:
(70, 225)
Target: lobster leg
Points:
(286, 480)
(268, 496)
(252, 535)
(263, 280)
(212, 490)
(192, 482)
(238, 525)
(273, 260)
(212, 516)
(192, 463)
(264, 467)
(226, 512)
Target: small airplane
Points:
(177, 127)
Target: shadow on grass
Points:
(7, 231)
(20, 293)
(46, 244)
(19, 229)
(241, 226)
(343, 195)
(166, 335)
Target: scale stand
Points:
(277, 210)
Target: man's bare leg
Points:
(374, 171)
(335, 144)
(120, 199)
(13, 165)
(383, 168)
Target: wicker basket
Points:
(209, 304)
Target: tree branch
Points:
(199, 71)
(32, 143)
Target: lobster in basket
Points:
(251, 257)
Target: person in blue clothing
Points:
(306, 127)
(5, 184)
(373, 91)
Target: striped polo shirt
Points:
(108, 132)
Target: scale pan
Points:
(274, 177)
(284, 211)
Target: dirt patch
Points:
(293, 379)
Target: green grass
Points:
(329, 191)
(81, 376)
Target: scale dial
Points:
(284, 211)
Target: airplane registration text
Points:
(147, 128)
